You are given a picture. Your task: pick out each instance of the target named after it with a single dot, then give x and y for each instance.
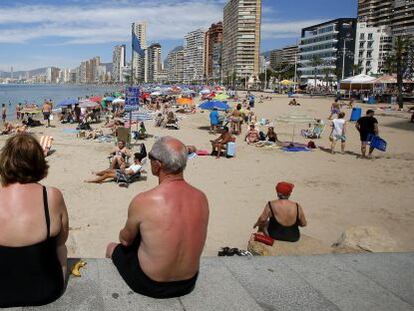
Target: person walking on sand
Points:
(164, 235)
(3, 113)
(47, 111)
(367, 127)
(338, 132)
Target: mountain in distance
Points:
(266, 54)
(16, 74)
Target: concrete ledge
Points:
(324, 282)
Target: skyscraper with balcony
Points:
(194, 56)
(175, 65)
(241, 38)
(154, 62)
(139, 43)
(397, 14)
(213, 52)
(119, 62)
(333, 43)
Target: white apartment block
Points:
(154, 62)
(175, 65)
(372, 46)
(139, 62)
(118, 63)
(194, 56)
(241, 38)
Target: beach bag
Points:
(263, 239)
(378, 143)
(231, 149)
(51, 117)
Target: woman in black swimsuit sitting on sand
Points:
(282, 218)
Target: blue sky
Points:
(44, 33)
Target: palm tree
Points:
(356, 69)
(401, 49)
(327, 71)
(315, 62)
(388, 66)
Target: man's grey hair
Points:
(174, 161)
(283, 197)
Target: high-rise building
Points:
(139, 42)
(194, 56)
(154, 62)
(333, 42)
(375, 12)
(397, 14)
(118, 63)
(175, 65)
(52, 75)
(403, 18)
(372, 46)
(284, 57)
(241, 38)
(213, 52)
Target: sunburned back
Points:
(173, 232)
(285, 211)
(22, 216)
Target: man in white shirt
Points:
(338, 132)
(120, 175)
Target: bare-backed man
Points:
(164, 236)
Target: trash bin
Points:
(356, 114)
(371, 100)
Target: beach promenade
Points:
(329, 282)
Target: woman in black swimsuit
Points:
(282, 218)
(34, 227)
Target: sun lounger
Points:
(125, 182)
(315, 132)
(46, 143)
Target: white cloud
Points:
(82, 24)
(290, 29)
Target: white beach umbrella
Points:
(295, 119)
(118, 101)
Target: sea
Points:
(12, 94)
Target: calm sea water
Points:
(12, 94)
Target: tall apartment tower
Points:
(397, 14)
(375, 12)
(154, 62)
(403, 18)
(118, 63)
(241, 38)
(139, 44)
(175, 65)
(194, 56)
(213, 52)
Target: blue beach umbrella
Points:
(67, 102)
(109, 99)
(210, 105)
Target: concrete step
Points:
(382, 281)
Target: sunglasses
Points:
(152, 158)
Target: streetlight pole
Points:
(343, 57)
(296, 67)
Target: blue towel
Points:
(295, 149)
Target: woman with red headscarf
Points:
(282, 218)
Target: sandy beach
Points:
(335, 191)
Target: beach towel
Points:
(295, 149)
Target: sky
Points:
(42, 33)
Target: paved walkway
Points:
(325, 282)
